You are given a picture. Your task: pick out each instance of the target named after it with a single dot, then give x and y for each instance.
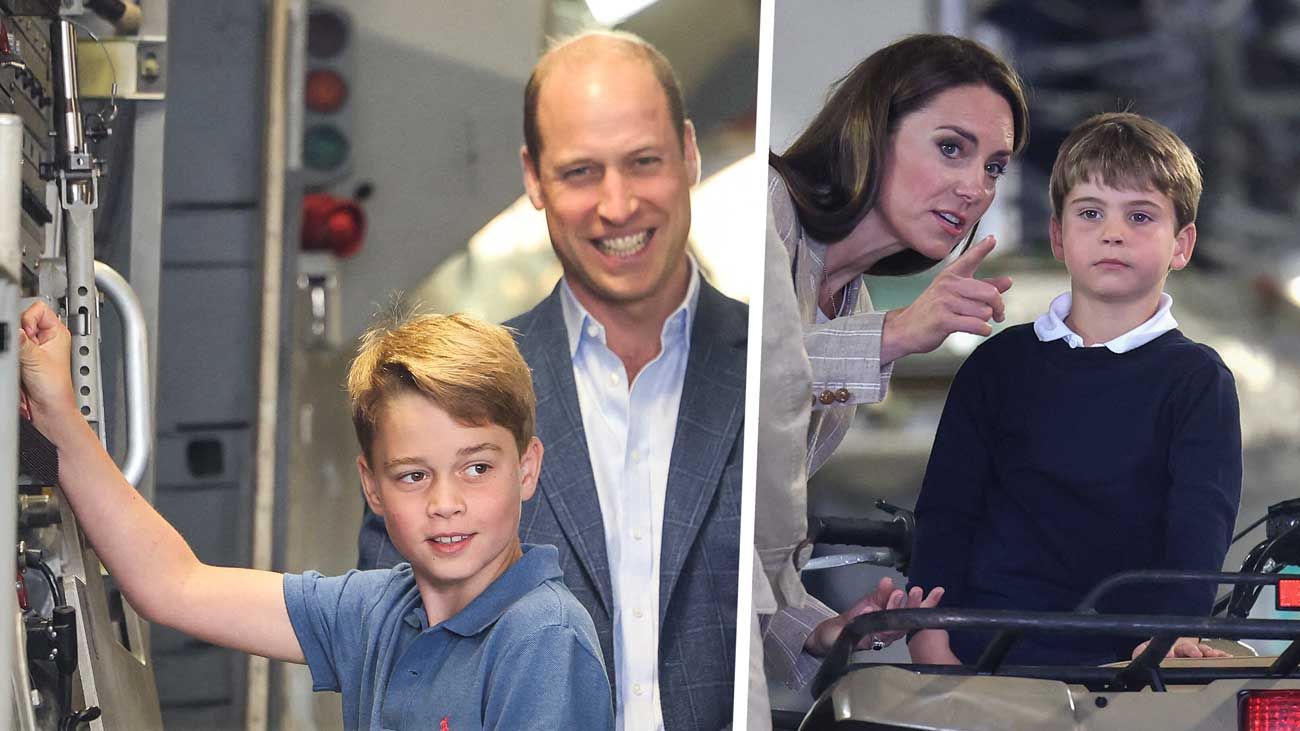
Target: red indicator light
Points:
(1288, 594)
(5, 50)
(332, 224)
(1269, 710)
(325, 91)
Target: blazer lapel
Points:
(709, 421)
(567, 481)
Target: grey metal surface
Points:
(877, 557)
(11, 163)
(213, 74)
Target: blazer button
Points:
(827, 397)
(842, 395)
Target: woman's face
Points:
(942, 167)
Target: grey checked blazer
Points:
(700, 550)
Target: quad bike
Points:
(1150, 693)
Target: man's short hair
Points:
(469, 368)
(1130, 152)
(632, 44)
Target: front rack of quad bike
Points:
(1143, 672)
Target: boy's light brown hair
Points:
(1127, 151)
(469, 368)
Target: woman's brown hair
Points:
(833, 169)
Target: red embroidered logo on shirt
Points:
(442, 725)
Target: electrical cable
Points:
(56, 588)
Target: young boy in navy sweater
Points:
(475, 632)
(1097, 440)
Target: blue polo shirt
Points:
(522, 655)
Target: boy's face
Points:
(448, 492)
(1119, 244)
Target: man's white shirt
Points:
(630, 435)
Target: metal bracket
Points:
(138, 64)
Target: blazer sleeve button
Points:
(827, 397)
(842, 395)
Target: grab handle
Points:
(135, 356)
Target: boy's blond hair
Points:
(1128, 152)
(469, 368)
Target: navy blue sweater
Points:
(1054, 468)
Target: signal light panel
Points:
(327, 139)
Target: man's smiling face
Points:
(614, 179)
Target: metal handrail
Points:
(135, 356)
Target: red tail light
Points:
(1269, 710)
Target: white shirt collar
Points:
(1051, 326)
(578, 322)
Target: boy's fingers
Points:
(932, 600)
(968, 262)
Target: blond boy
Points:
(475, 631)
(1098, 439)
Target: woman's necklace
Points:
(831, 305)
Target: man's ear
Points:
(1054, 232)
(530, 469)
(692, 152)
(370, 486)
(532, 182)
(1184, 243)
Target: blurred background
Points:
(1223, 74)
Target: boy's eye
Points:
(1140, 217)
(478, 469)
(413, 477)
(996, 169)
(1090, 214)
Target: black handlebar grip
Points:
(860, 532)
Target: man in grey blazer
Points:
(639, 368)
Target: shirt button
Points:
(636, 534)
(827, 397)
(637, 689)
(593, 331)
(637, 613)
(842, 395)
(613, 378)
(636, 456)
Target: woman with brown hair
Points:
(891, 175)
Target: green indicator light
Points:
(324, 148)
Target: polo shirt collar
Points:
(538, 565)
(579, 323)
(1051, 326)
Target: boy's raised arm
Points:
(162, 578)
